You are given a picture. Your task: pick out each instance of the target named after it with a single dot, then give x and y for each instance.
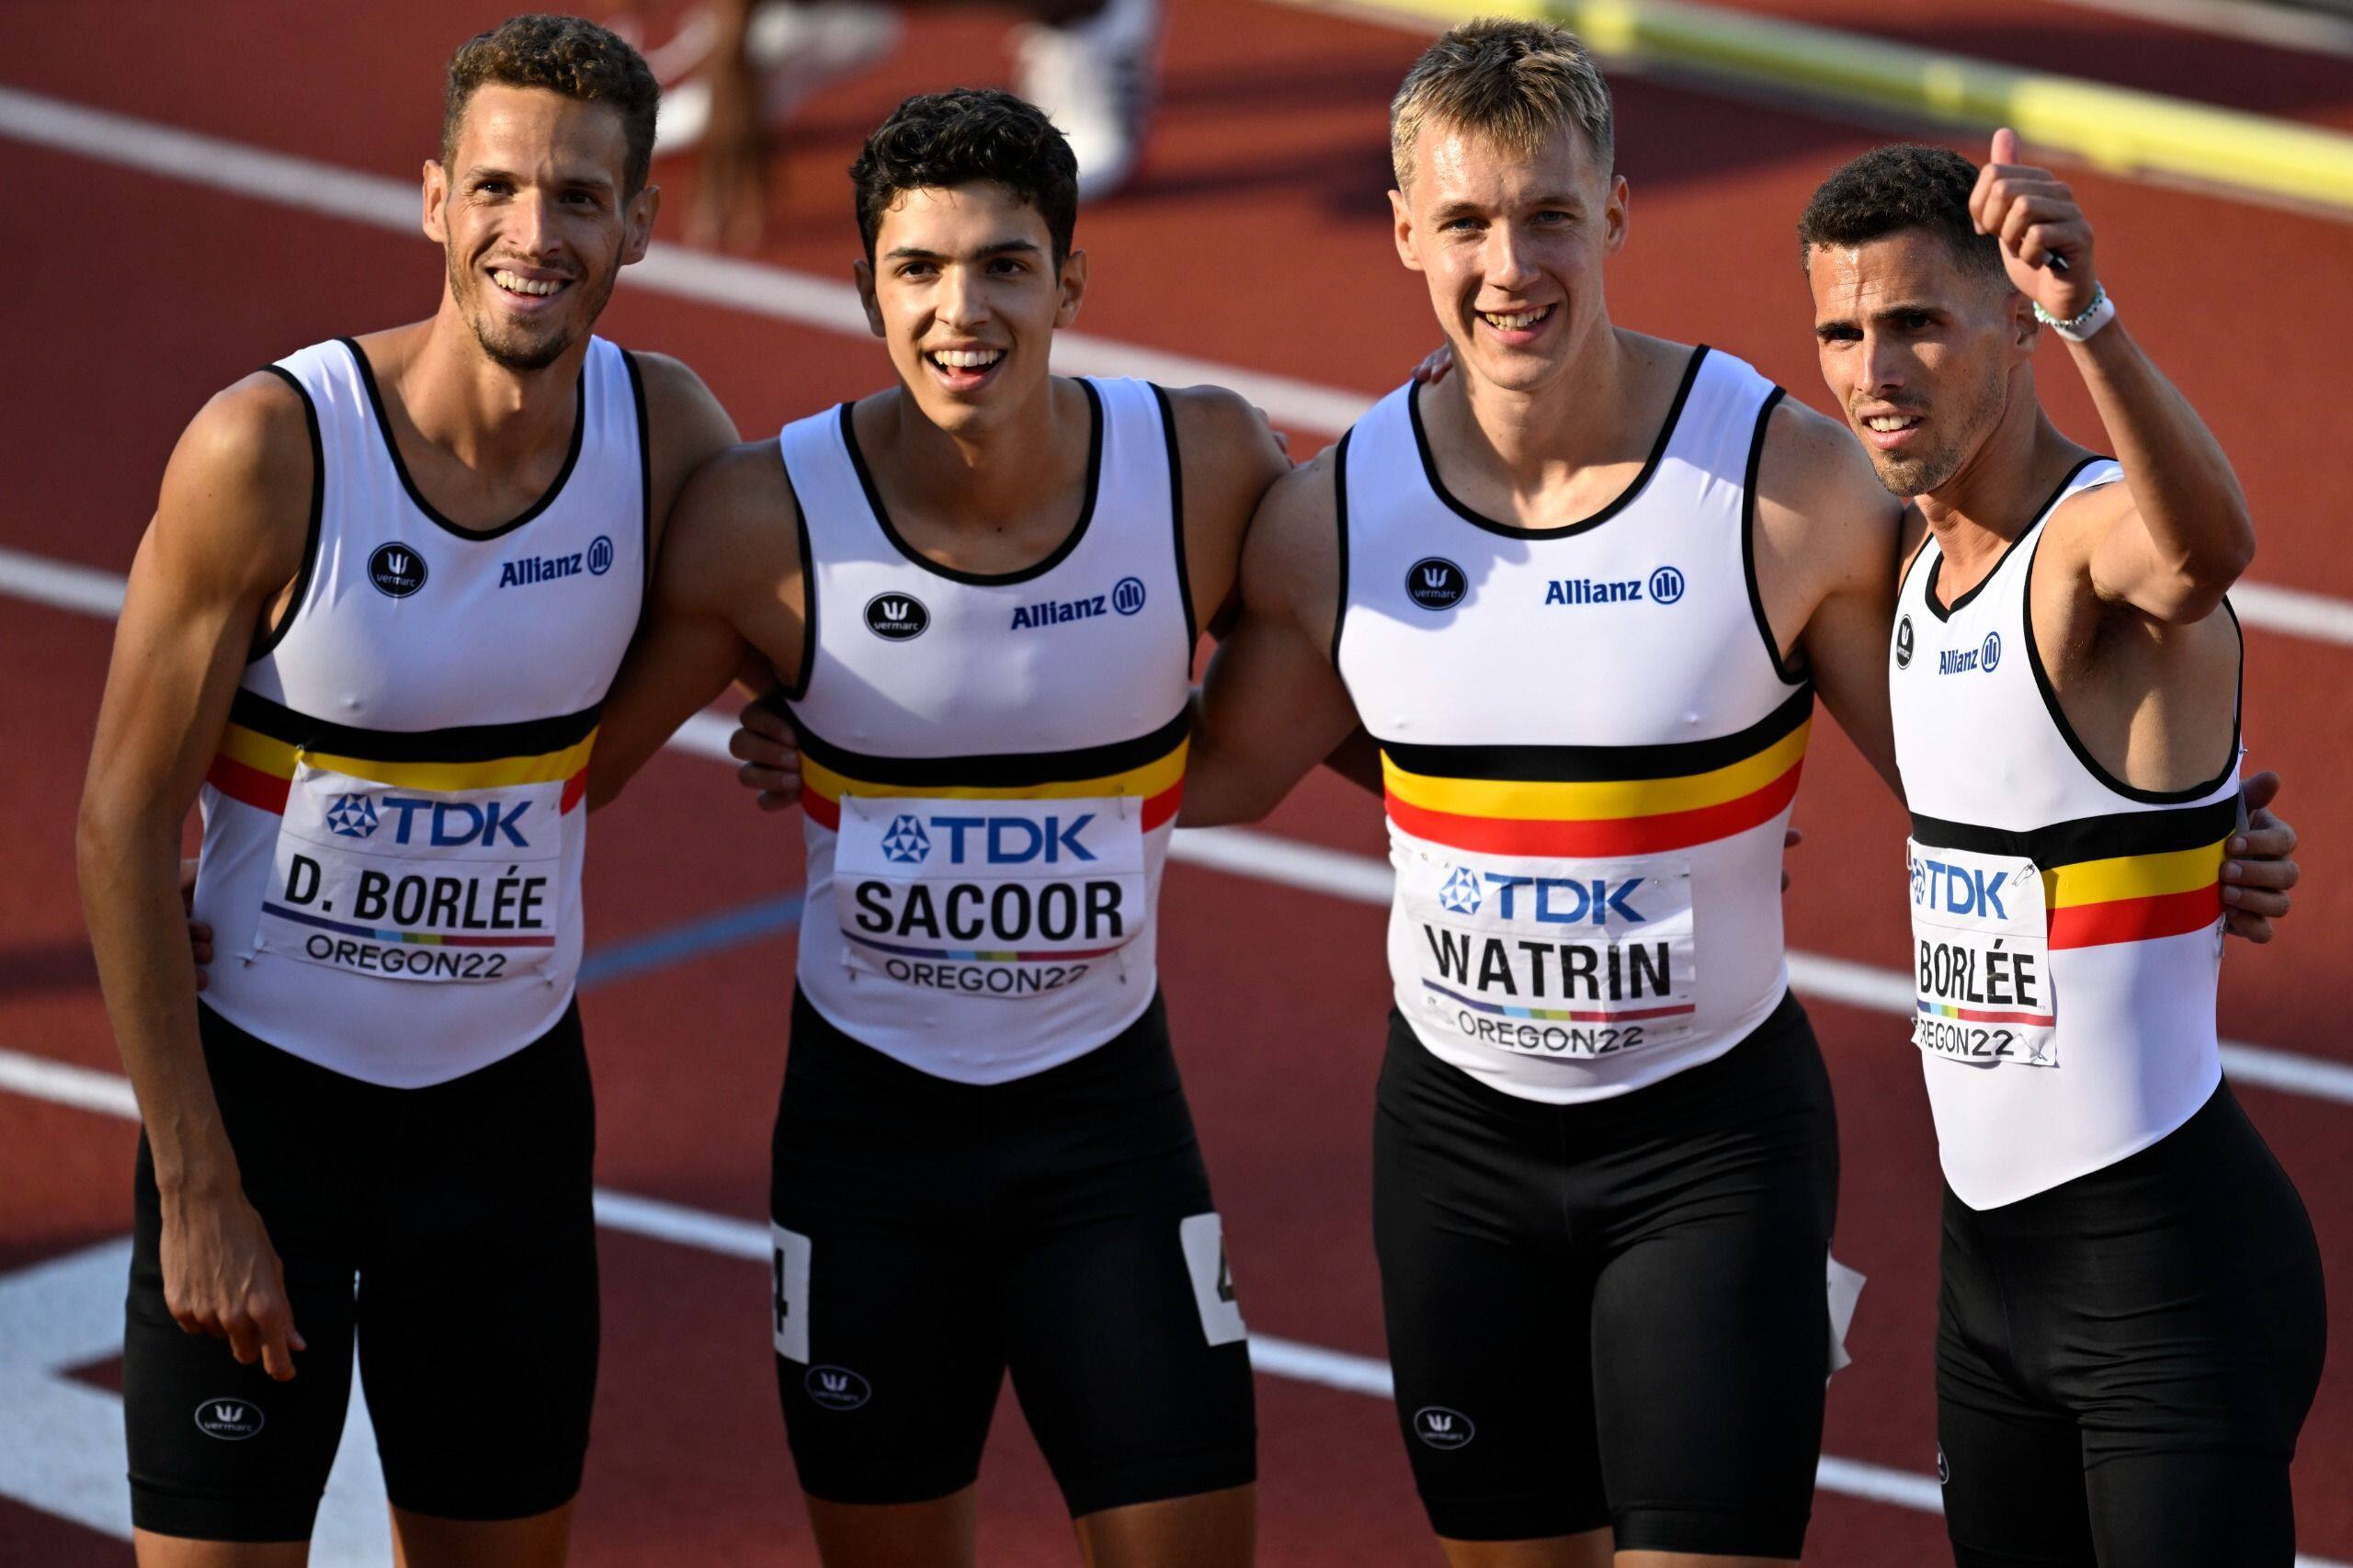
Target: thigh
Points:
(2011, 1465)
(1489, 1321)
(887, 1358)
(220, 1451)
(1711, 1327)
(478, 1312)
(1125, 1340)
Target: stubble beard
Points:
(518, 351)
(1909, 476)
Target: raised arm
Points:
(227, 539)
(2177, 534)
(1273, 706)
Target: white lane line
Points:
(61, 1440)
(828, 304)
(81, 1479)
(758, 289)
(1360, 879)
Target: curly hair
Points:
(963, 136)
(1889, 190)
(563, 54)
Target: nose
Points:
(960, 300)
(1880, 367)
(1507, 260)
(530, 226)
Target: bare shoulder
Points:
(1818, 497)
(1292, 556)
(685, 426)
(735, 530)
(236, 503)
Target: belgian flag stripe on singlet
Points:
(1151, 767)
(2129, 877)
(1599, 800)
(260, 745)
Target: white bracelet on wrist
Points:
(2080, 328)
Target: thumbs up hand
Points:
(2046, 242)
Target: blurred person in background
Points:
(734, 70)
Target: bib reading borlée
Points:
(987, 898)
(1980, 958)
(415, 884)
(1518, 956)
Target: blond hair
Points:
(1512, 82)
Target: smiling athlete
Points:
(386, 586)
(2131, 1322)
(978, 587)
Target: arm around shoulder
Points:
(729, 578)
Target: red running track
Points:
(1257, 238)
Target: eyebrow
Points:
(1451, 210)
(596, 180)
(1002, 247)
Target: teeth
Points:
(1514, 323)
(515, 284)
(967, 359)
(1886, 422)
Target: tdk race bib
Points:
(987, 898)
(1516, 954)
(1981, 959)
(415, 884)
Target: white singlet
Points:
(393, 824)
(1589, 745)
(2066, 927)
(990, 764)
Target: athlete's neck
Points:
(1997, 493)
(480, 412)
(1533, 443)
(990, 479)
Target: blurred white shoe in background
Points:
(1094, 79)
(795, 47)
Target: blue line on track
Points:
(690, 939)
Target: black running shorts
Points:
(932, 1236)
(2123, 1362)
(464, 1211)
(1615, 1313)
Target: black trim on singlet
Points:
(1600, 765)
(2067, 731)
(408, 482)
(799, 688)
(1936, 567)
(644, 484)
(1054, 557)
(1001, 770)
(1340, 508)
(267, 640)
(2088, 838)
(1792, 669)
(1625, 497)
(468, 742)
(1176, 516)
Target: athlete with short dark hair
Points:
(979, 588)
(2131, 1323)
(387, 584)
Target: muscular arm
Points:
(1826, 536)
(2177, 535)
(729, 588)
(227, 538)
(687, 428)
(1273, 706)
(1230, 457)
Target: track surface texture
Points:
(1257, 237)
